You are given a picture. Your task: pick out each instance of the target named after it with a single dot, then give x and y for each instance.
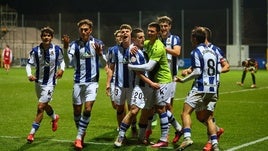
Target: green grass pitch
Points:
(241, 111)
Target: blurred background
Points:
(239, 27)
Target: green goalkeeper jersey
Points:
(161, 72)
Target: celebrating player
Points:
(45, 57)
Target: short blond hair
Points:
(85, 21)
(164, 19)
(125, 26)
(116, 32)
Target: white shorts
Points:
(84, 92)
(142, 97)
(201, 101)
(162, 95)
(112, 87)
(121, 95)
(44, 93)
(173, 89)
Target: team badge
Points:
(133, 59)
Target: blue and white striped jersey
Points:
(170, 42)
(123, 76)
(220, 54)
(206, 59)
(85, 60)
(137, 59)
(46, 63)
(109, 57)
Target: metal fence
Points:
(105, 23)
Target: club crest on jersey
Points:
(87, 55)
(125, 61)
(133, 59)
(168, 42)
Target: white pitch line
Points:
(231, 149)
(248, 144)
(69, 141)
(58, 140)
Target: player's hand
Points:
(98, 48)
(178, 79)
(32, 78)
(184, 72)
(66, 40)
(134, 50)
(155, 85)
(108, 91)
(59, 74)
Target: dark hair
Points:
(208, 34)
(199, 34)
(47, 29)
(244, 63)
(135, 31)
(156, 25)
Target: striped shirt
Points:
(123, 76)
(137, 59)
(170, 42)
(85, 60)
(221, 57)
(206, 59)
(46, 62)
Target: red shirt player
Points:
(7, 57)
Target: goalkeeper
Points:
(250, 65)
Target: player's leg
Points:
(125, 124)
(136, 103)
(176, 125)
(211, 127)
(134, 131)
(147, 111)
(188, 107)
(37, 121)
(89, 95)
(162, 96)
(253, 79)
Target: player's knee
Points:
(169, 107)
(133, 112)
(87, 113)
(40, 110)
(202, 116)
(120, 112)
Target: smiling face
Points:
(85, 31)
(152, 33)
(165, 25)
(118, 38)
(46, 38)
(125, 37)
(138, 40)
(165, 29)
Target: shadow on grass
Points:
(37, 142)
